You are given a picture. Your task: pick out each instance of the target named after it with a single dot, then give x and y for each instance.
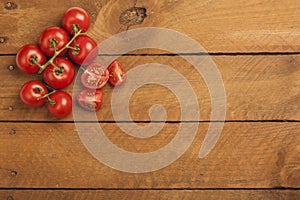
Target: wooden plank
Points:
(219, 26)
(257, 88)
(247, 155)
(150, 194)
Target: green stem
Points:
(46, 95)
(73, 48)
(55, 48)
(33, 60)
(43, 67)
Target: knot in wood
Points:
(10, 5)
(133, 16)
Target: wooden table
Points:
(255, 45)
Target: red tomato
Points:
(60, 104)
(90, 99)
(76, 17)
(56, 34)
(116, 73)
(27, 56)
(95, 76)
(32, 92)
(84, 50)
(60, 76)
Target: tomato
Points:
(90, 99)
(58, 36)
(32, 92)
(95, 76)
(77, 17)
(61, 75)
(60, 104)
(84, 50)
(116, 73)
(27, 56)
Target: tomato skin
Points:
(56, 78)
(90, 100)
(25, 54)
(87, 52)
(78, 16)
(60, 104)
(57, 33)
(32, 91)
(95, 76)
(117, 74)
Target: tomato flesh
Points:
(90, 99)
(95, 76)
(116, 73)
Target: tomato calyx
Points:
(37, 89)
(53, 43)
(75, 50)
(33, 61)
(76, 28)
(57, 69)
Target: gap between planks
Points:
(158, 122)
(155, 189)
(198, 54)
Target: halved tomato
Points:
(117, 74)
(95, 76)
(90, 99)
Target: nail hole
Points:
(10, 108)
(12, 132)
(10, 198)
(11, 67)
(10, 5)
(3, 39)
(13, 173)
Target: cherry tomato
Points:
(32, 92)
(95, 76)
(60, 104)
(84, 50)
(116, 73)
(53, 37)
(77, 17)
(61, 75)
(90, 99)
(27, 56)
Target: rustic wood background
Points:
(256, 46)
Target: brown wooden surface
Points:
(248, 155)
(145, 194)
(219, 26)
(255, 45)
(257, 88)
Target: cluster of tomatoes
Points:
(59, 50)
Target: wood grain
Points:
(152, 194)
(219, 26)
(257, 88)
(247, 155)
